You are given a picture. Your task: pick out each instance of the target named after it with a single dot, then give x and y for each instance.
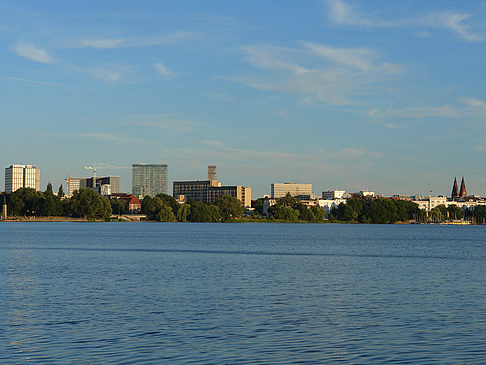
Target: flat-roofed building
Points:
(333, 194)
(21, 176)
(105, 185)
(208, 191)
(279, 190)
(149, 179)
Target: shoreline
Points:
(117, 219)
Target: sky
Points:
(376, 95)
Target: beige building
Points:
(21, 176)
(208, 191)
(279, 190)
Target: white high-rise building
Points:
(21, 176)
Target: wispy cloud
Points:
(343, 14)
(32, 53)
(163, 71)
(220, 96)
(47, 83)
(111, 43)
(338, 74)
(106, 136)
(477, 105)
(165, 122)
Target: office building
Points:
(209, 191)
(296, 190)
(21, 176)
(333, 194)
(105, 185)
(149, 179)
(212, 172)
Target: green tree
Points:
(165, 214)
(285, 213)
(258, 205)
(200, 212)
(119, 206)
(229, 207)
(183, 212)
(169, 200)
(455, 212)
(60, 192)
(87, 203)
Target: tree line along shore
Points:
(86, 204)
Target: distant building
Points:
(133, 203)
(333, 194)
(367, 194)
(149, 179)
(212, 172)
(105, 185)
(21, 176)
(430, 202)
(279, 190)
(208, 191)
(458, 194)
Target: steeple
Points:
(462, 192)
(455, 190)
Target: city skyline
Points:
(342, 94)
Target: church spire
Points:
(462, 192)
(455, 189)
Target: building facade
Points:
(21, 176)
(333, 194)
(149, 179)
(279, 190)
(105, 185)
(212, 172)
(208, 191)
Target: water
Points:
(98, 293)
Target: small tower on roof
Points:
(462, 192)
(455, 190)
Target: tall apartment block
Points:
(302, 190)
(209, 191)
(21, 176)
(212, 172)
(149, 179)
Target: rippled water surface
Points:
(98, 293)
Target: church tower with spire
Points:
(455, 190)
(462, 192)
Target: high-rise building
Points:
(209, 191)
(21, 176)
(149, 179)
(105, 185)
(212, 172)
(297, 190)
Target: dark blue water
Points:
(98, 293)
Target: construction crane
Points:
(100, 165)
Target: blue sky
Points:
(379, 95)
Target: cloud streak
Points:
(32, 53)
(343, 14)
(112, 43)
(319, 72)
(164, 72)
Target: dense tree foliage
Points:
(292, 209)
(376, 211)
(87, 203)
(229, 208)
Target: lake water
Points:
(151, 293)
